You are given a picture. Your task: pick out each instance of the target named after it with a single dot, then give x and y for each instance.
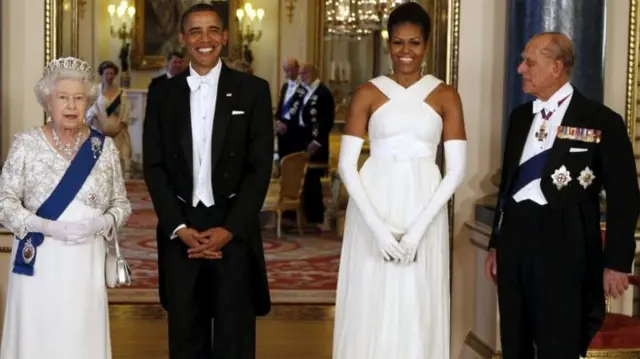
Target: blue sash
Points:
(58, 201)
(527, 172)
(530, 170)
(297, 96)
(113, 107)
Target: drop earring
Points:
(423, 68)
(390, 66)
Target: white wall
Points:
(22, 64)
(481, 81)
(615, 63)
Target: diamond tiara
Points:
(68, 63)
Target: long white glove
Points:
(62, 231)
(348, 168)
(455, 152)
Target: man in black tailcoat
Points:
(174, 66)
(315, 123)
(292, 94)
(546, 252)
(208, 151)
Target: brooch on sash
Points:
(28, 252)
(579, 134)
(96, 145)
(586, 177)
(561, 177)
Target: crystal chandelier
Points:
(356, 18)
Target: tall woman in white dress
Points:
(393, 286)
(61, 194)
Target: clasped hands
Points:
(205, 245)
(281, 128)
(397, 245)
(71, 232)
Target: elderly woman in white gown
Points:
(61, 194)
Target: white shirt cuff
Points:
(174, 234)
(317, 143)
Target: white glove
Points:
(62, 231)
(348, 168)
(455, 152)
(94, 226)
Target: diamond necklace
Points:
(67, 149)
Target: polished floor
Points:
(289, 332)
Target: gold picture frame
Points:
(141, 59)
(632, 72)
(61, 21)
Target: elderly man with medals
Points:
(315, 123)
(292, 94)
(546, 252)
(62, 195)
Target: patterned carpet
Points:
(301, 269)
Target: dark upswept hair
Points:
(107, 65)
(410, 13)
(200, 7)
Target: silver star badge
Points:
(586, 177)
(561, 177)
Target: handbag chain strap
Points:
(113, 235)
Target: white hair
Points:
(62, 69)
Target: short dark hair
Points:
(107, 65)
(173, 54)
(199, 7)
(410, 13)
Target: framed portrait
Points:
(157, 26)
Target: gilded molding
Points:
(49, 30)
(632, 72)
(614, 354)
(453, 48)
(290, 6)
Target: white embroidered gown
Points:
(386, 310)
(61, 311)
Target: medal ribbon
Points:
(541, 134)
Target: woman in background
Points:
(110, 114)
(61, 194)
(393, 285)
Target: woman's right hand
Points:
(389, 246)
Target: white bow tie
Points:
(196, 81)
(539, 105)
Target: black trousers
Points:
(540, 275)
(293, 140)
(198, 290)
(312, 196)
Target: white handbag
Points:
(116, 270)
